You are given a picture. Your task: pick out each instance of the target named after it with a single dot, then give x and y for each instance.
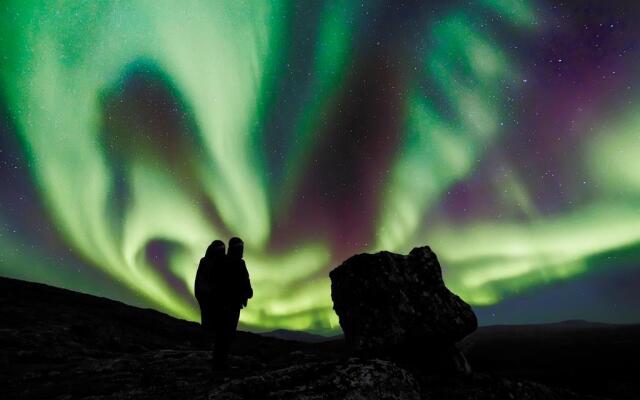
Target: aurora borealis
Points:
(503, 133)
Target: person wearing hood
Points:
(234, 291)
(222, 289)
(204, 289)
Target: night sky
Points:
(505, 134)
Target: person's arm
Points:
(200, 284)
(248, 292)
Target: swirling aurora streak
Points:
(315, 131)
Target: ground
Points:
(59, 344)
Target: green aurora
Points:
(226, 60)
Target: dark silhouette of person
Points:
(213, 259)
(228, 278)
(234, 254)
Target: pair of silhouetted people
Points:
(222, 288)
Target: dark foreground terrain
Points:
(60, 344)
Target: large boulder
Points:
(391, 304)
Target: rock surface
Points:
(351, 379)
(390, 303)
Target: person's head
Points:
(215, 249)
(236, 247)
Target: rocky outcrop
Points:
(391, 304)
(353, 379)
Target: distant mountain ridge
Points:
(299, 336)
